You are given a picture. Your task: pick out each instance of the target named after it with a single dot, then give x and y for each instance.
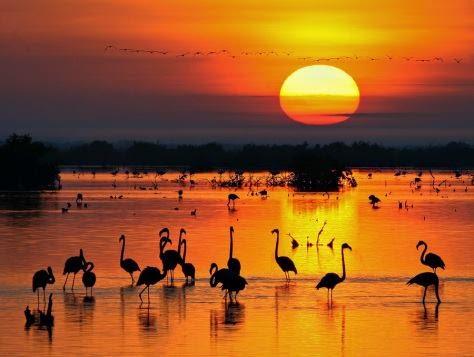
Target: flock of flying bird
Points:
(261, 53)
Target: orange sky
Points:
(57, 48)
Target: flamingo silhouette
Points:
(432, 260)
(40, 279)
(128, 264)
(374, 200)
(229, 281)
(234, 284)
(233, 263)
(285, 263)
(232, 197)
(149, 276)
(188, 269)
(330, 280)
(426, 279)
(218, 276)
(171, 258)
(88, 278)
(73, 265)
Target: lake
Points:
(374, 312)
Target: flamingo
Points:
(285, 263)
(432, 260)
(73, 265)
(374, 200)
(233, 263)
(234, 284)
(232, 197)
(149, 276)
(188, 269)
(330, 280)
(230, 281)
(171, 258)
(40, 279)
(426, 279)
(129, 265)
(88, 278)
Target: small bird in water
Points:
(374, 200)
(232, 197)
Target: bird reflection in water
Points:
(427, 318)
(233, 314)
(147, 319)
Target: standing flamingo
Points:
(233, 263)
(73, 265)
(171, 258)
(40, 279)
(188, 269)
(229, 281)
(285, 263)
(432, 260)
(232, 197)
(88, 278)
(149, 276)
(330, 280)
(426, 279)
(129, 265)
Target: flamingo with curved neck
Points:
(330, 280)
(285, 263)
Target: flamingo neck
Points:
(422, 257)
(123, 250)
(276, 245)
(179, 242)
(343, 265)
(231, 248)
(184, 251)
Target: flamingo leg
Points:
(424, 294)
(140, 294)
(148, 290)
(38, 298)
(73, 279)
(64, 286)
(44, 297)
(131, 275)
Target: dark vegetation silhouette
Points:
(28, 165)
(213, 156)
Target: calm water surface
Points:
(374, 312)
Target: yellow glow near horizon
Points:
(319, 95)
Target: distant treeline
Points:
(266, 157)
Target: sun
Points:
(319, 95)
